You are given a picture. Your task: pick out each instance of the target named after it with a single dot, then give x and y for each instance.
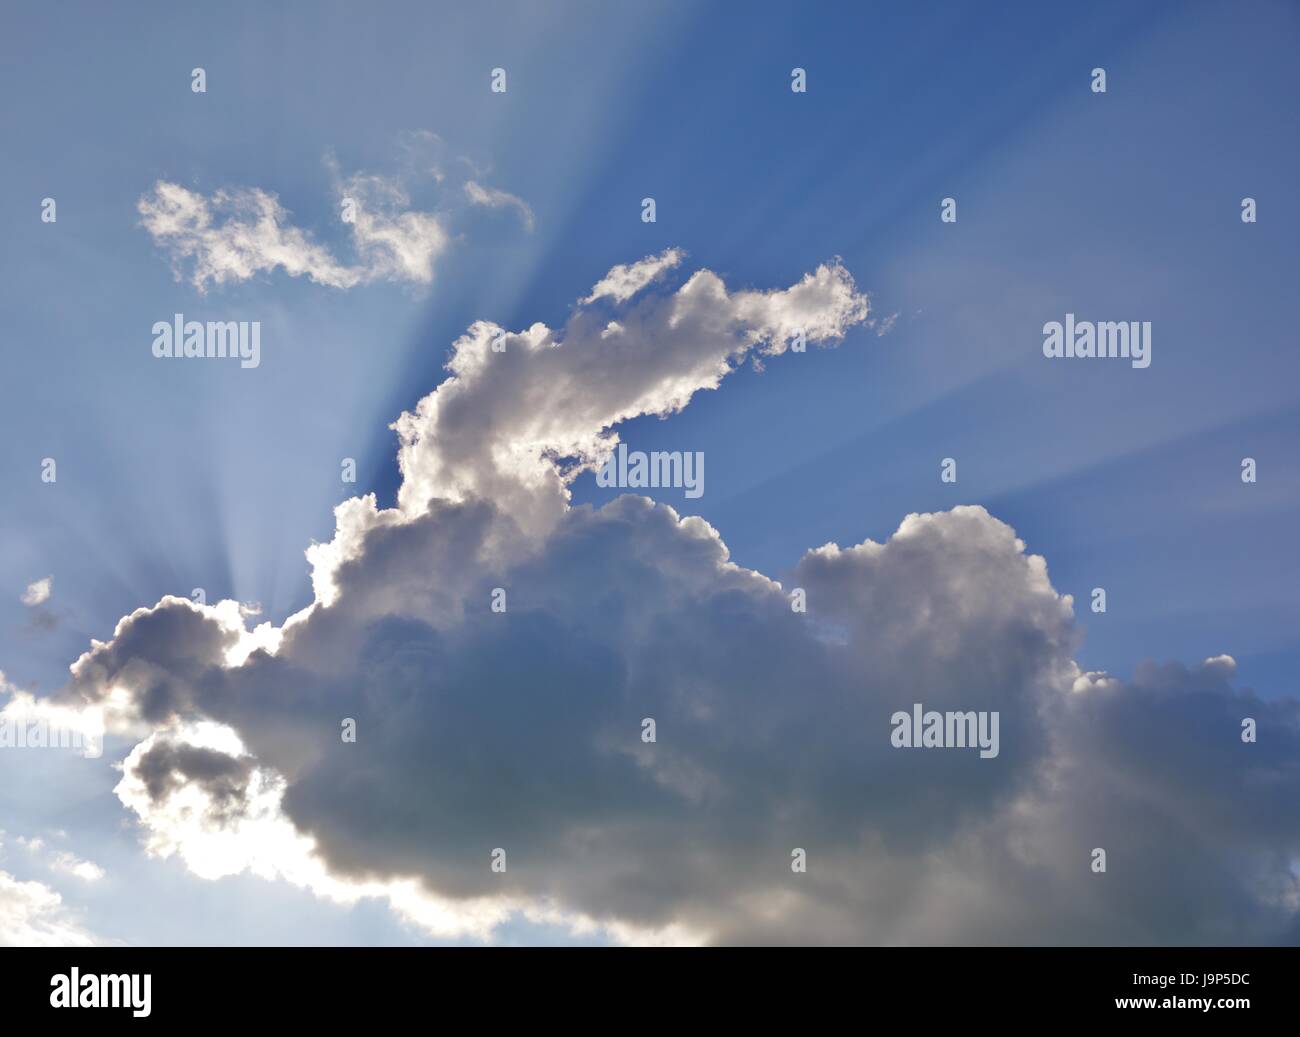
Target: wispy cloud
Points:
(38, 592)
(71, 864)
(494, 198)
(234, 234)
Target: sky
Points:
(225, 808)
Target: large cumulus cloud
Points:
(522, 729)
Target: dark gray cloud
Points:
(168, 766)
(522, 730)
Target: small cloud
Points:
(38, 592)
(626, 279)
(62, 860)
(71, 864)
(497, 199)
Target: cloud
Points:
(521, 730)
(626, 279)
(28, 722)
(71, 864)
(493, 198)
(886, 325)
(222, 815)
(394, 242)
(33, 915)
(236, 234)
(38, 592)
(525, 411)
(63, 861)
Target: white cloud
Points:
(62, 860)
(57, 722)
(494, 429)
(71, 864)
(394, 242)
(626, 279)
(235, 234)
(38, 592)
(32, 915)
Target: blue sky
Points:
(1123, 205)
